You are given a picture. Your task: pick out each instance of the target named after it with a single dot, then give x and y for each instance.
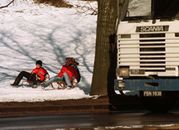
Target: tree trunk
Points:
(107, 15)
(106, 51)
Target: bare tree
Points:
(106, 51)
(5, 6)
(88, 9)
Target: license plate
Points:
(152, 93)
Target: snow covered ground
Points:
(29, 32)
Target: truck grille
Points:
(152, 52)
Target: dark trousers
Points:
(30, 78)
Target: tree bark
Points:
(106, 51)
(107, 15)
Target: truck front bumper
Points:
(155, 86)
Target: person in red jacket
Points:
(68, 73)
(37, 75)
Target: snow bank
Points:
(39, 95)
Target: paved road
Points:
(123, 120)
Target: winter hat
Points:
(68, 61)
(39, 62)
(75, 62)
(71, 61)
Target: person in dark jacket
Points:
(38, 75)
(69, 73)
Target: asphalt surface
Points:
(112, 120)
(87, 114)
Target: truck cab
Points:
(148, 49)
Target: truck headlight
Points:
(123, 71)
(121, 84)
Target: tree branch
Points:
(6, 5)
(86, 9)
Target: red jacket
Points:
(70, 70)
(40, 72)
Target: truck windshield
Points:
(139, 8)
(152, 9)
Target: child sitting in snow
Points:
(38, 75)
(69, 74)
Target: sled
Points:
(27, 83)
(63, 85)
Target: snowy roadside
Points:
(39, 95)
(29, 32)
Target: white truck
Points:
(148, 49)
